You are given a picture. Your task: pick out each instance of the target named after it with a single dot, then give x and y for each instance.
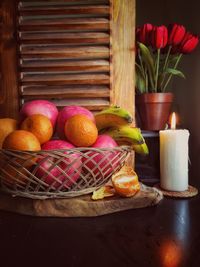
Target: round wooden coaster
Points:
(191, 192)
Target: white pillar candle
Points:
(174, 159)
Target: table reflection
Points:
(173, 247)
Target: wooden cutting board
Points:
(82, 206)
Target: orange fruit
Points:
(21, 140)
(40, 126)
(7, 126)
(81, 131)
(12, 172)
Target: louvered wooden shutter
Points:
(70, 52)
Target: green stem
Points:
(170, 76)
(167, 58)
(157, 70)
(165, 66)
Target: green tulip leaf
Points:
(175, 72)
(140, 80)
(148, 60)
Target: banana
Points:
(141, 149)
(115, 121)
(126, 133)
(112, 117)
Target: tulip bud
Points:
(159, 37)
(143, 33)
(188, 43)
(176, 34)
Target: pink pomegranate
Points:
(68, 112)
(43, 107)
(105, 141)
(72, 171)
(101, 163)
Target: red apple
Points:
(102, 164)
(47, 164)
(68, 112)
(43, 107)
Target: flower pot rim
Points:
(165, 97)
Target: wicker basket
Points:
(59, 173)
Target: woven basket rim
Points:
(117, 148)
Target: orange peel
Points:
(102, 192)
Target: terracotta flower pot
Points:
(153, 110)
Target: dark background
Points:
(187, 91)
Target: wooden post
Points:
(123, 56)
(9, 99)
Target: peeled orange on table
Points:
(81, 131)
(126, 182)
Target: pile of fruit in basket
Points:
(42, 127)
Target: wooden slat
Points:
(89, 23)
(56, 65)
(65, 91)
(77, 24)
(59, 10)
(28, 3)
(78, 52)
(91, 104)
(58, 79)
(62, 38)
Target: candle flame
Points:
(173, 121)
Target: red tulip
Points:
(143, 33)
(188, 43)
(159, 37)
(176, 34)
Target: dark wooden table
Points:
(166, 235)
